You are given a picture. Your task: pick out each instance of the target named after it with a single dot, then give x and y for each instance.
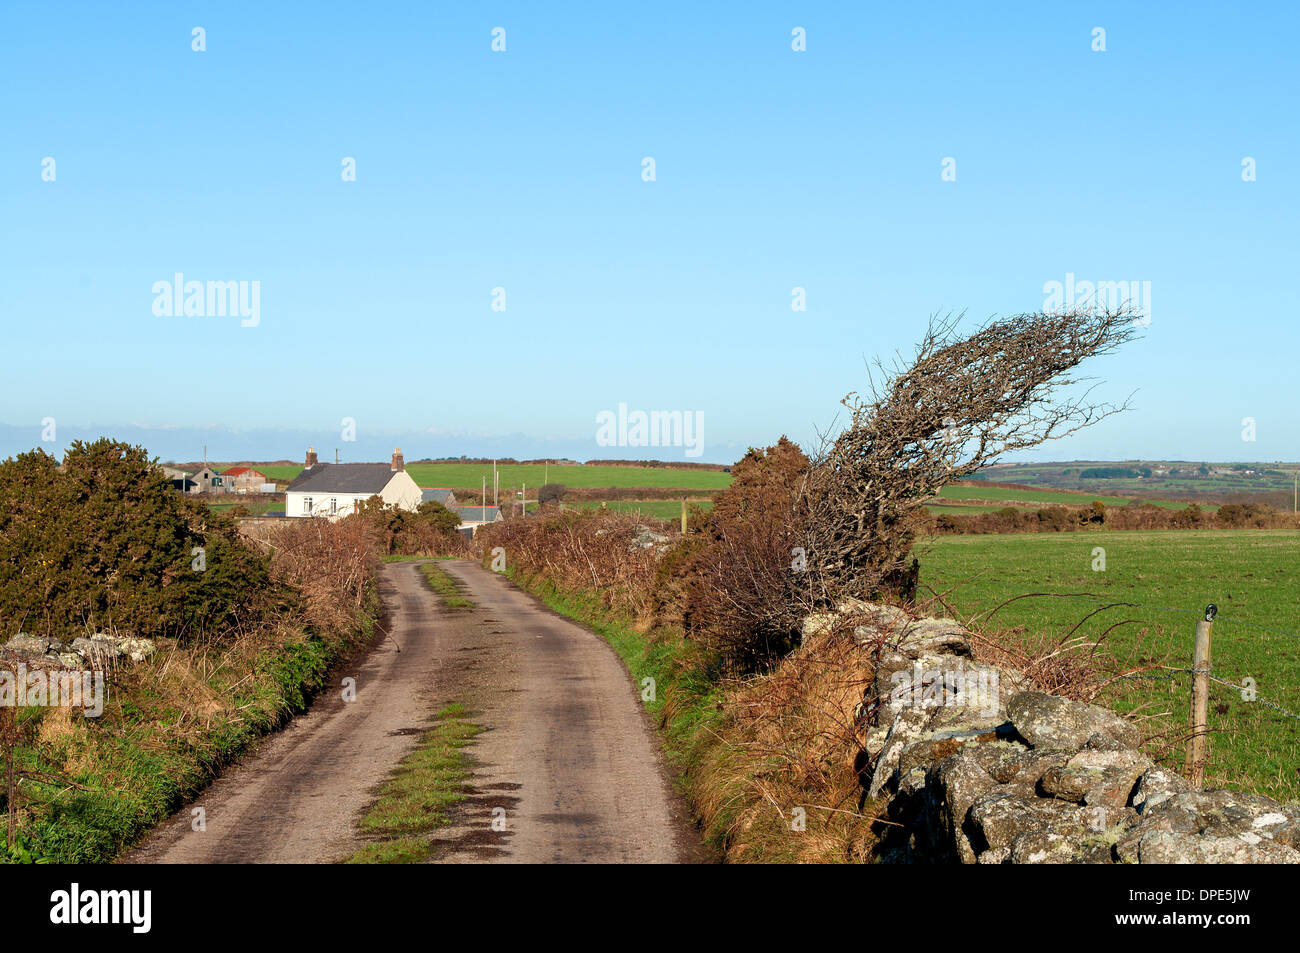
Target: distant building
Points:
(180, 480)
(438, 494)
(243, 480)
(208, 480)
(335, 490)
(472, 517)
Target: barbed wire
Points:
(1241, 689)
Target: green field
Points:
(255, 507)
(659, 509)
(1250, 574)
(472, 475)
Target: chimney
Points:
(311, 458)
(398, 462)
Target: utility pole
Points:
(483, 512)
(495, 501)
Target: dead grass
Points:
(787, 752)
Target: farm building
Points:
(243, 480)
(208, 480)
(335, 490)
(438, 494)
(180, 480)
(472, 517)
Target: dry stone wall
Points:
(977, 767)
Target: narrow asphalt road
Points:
(567, 768)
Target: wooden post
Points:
(9, 737)
(1198, 743)
(683, 516)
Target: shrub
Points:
(105, 541)
(550, 493)
(743, 587)
(429, 530)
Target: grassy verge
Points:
(445, 587)
(416, 798)
(168, 728)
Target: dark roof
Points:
(435, 494)
(476, 514)
(343, 478)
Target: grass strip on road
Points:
(446, 588)
(415, 800)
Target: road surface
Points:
(567, 765)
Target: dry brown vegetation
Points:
(1135, 515)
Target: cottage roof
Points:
(343, 478)
(476, 514)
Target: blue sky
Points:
(522, 170)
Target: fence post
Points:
(1198, 743)
(683, 516)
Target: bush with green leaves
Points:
(103, 541)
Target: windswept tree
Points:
(964, 401)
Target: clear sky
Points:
(523, 170)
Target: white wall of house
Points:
(400, 491)
(336, 505)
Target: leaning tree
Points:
(963, 402)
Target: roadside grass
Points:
(1146, 601)
(446, 588)
(416, 799)
(169, 726)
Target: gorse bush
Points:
(743, 591)
(430, 530)
(104, 541)
(550, 493)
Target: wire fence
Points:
(1223, 664)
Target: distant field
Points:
(1252, 575)
(1037, 497)
(472, 475)
(659, 509)
(259, 508)
(1188, 482)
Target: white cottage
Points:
(335, 490)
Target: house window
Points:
(306, 505)
(334, 506)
